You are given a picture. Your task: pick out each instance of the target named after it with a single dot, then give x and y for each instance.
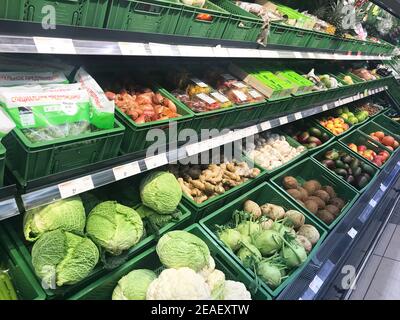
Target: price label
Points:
(156, 161)
(250, 131)
(325, 107)
(352, 233)
(127, 170)
(132, 49)
(196, 51)
(283, 120)
(239, 85)
(372, 203)
(74, 187)
(220, 97)
(160, 49)
(338, 103)
(199, 83)
(255, 94)
(298, 115)
(205, 98)
(54, 45)
(316, 284)
(265, 125)
(298, 55)
(383, 187)
(240, 95)
(221, 52)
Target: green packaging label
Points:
(31, 78)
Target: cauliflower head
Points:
(236, 291)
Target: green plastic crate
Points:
(372, 126)
(319, 156)
(264, 193)
(154, 16)
(103, 288)
(273, 107)
(135, 134)
(359, 138)
(309, 169)
(14, 229)
(2, 163)
(29, 161)
(190, 25)
(242, 25)
(84, 13)
(247, 113)
(25, 283)
(200, 210)
(278, 34)
(293, 143)
(346, 45)
(298, 37)
(321, 40)
(387, 123)
(12, 9)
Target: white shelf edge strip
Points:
(90, 47)
(70, 188)
(8, 209)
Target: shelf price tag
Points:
(250, 131)
(298, 55)
(298, 115)
(266, 125)
(126, 170)
(316, 284)
(383, 187)
(132, 49)
(71, 188)
(156, 161)
(352, 233)
(160, 49)
(325, 107)
(221, 52)
(372, 203)
(54, 45)
(283, 120)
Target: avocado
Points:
(324, 137)
(356, 171)
(362, 181)
(341, 172)
(332, 155)
(315, 132)
(367, 168)
(329, 163)
(339, 164)
(350, 179)
(347, 159)
(354, 164)
(346, 166)
(314, 140)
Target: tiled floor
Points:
(380, 280)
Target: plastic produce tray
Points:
(25, 283)
(321, 40)
(273, 107)
(309, 169)
(103, 288)
(28, 161)
(190, 25)
(319, 156)
(264, 193)
(372, 126)
(387, 123)
(135, 134)
(154, 16)
(242, 25)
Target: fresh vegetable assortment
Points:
(68, 245)
(307, 134)
(188, 273)
(376, 158)
(142, 104)
(271, 150)
(321, 201)
(355, 172)
(269, 239)
(203, 182)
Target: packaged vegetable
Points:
(200, 102)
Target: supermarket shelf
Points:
(8, 204)
(47, 45)
(316, 279)
(79, 184)
(32, 38)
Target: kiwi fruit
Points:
(312, 206)
(330, 191)
(290, 183)
(323, 195)
(312, 186)
(294, 193)
(304, 193)
(337, 202)
(319, 201)
(325, 216)
(333, 209)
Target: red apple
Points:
(362, 148)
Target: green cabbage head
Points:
(68, 215)
(60, 257)
(177, 249)
(134, 285)
(114, 227)
(161, 192)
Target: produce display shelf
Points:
(120, 168)
(32, 38)
(315, 280)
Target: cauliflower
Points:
(179, 284)
(216, 282)
(208, 269)
(236, 291)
